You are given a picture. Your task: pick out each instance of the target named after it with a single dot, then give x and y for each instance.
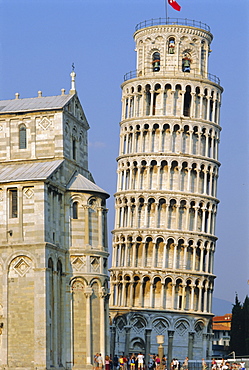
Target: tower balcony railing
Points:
(164, 72)
(172, 21)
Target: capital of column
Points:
(88, 292)
(171, 333)
(103, 292)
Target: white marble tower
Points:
(164, 237)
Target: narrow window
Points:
(22, 137)
(187, 102)
(156, 62)
(171, 46)
(13, 203)
(74, 148)
(75, 210)
(186, 63)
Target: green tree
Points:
(246, 325)
(237, 342)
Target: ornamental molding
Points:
(45, 123)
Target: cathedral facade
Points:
(164, 235)
(53, 260)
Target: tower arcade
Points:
(164, 235)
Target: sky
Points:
(39, 41)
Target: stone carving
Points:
(22, 266)
(45, 123)
(28, 192)
(79, 262)
(181, 328)
(95, 263)
(160, 326)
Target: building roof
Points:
(221, 327)
(34, 104)
(28, 171)
(226, 318)
(222, 322)
(80, 183)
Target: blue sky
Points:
(41, 39)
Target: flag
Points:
(174, 5)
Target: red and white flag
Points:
(174, 5)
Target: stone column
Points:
(205, 298)
(204, 345)
(201, 258)
(55, 321)
(183, 296)
(199, 297)
(173, 296)
(100, 227)
(103, 329)
(88, 292)
(131, 293)
(86, 225)
(147, 344)
(174, 256)
(192, 297)
(151, 294)
(162, 294)
(190, 141)
(127, 339)
(194, 257)
(113, 336)
(201, 105)
(143, 255)
(191, 336)
(140, 294)
(170, 346)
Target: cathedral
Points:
(53, 260)
(161, 279)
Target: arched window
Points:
(187, 102)
(171, 46)
(75, 210)
(156, 62)
(22, 137)
(186, 63)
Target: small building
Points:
(221, 331)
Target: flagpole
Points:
(166, 10)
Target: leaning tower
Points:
(164, 235)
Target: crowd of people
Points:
(137, 362)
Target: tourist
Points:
(125, 360)
(185, 364)
(157, 361)
(204, 365)
(242, 366)
(213, 364)
(115, 362)
(107, 362)
(121, 362)
(100, 362)
(140, 361)
(164, 363)
(95, 361)
(111, 362)
(176, 364)
(132, 362)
